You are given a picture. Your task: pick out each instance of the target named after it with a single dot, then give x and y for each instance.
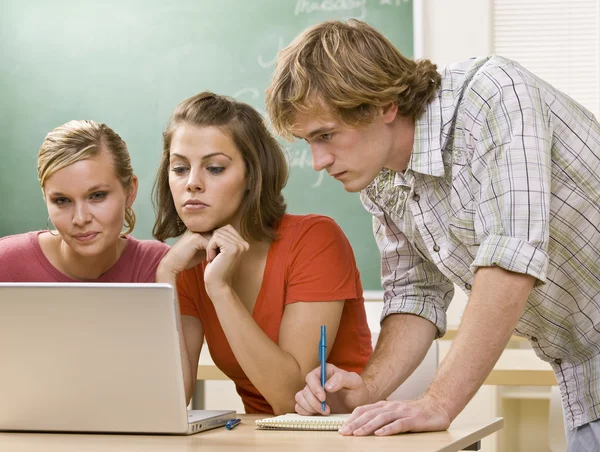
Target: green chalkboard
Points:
(129, 63)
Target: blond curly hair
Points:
(348, 69)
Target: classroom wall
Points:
(456, 30)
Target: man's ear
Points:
(133, 189)
(389, 112)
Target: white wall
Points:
(454, 30)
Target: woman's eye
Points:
(97, 196)
(60, 201)
(179, 169)
(215, 169)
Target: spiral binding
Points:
(312, 424)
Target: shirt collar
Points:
(426, 157)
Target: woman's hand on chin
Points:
(188, 252)
(224, 252)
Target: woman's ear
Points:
(132, 191)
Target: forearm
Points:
(496, 303)
(403, 343)
(189, 371)
(273, 371)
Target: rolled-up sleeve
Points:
(411, 284)
(512, 169)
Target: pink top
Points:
(22, 260)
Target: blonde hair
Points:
(350, 69)
(80, 140)
(266, 167)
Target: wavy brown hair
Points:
(79, 140)
(266, 167)
(349, 69)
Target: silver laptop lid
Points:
(90, 357)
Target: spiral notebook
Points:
(299, 422)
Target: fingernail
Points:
(344, 430)
(328, 386)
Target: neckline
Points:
(62, 277)
(257, 310)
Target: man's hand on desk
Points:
(390, 417)
(345, 391)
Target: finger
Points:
(302, 407)
(343, 380)
(212, 249)
(300, 410)
(313, 401)
(228, 243)
(398, 426)
(378, 420)
(313, 383)
(309, 403)
(362, 415)
(198, 242)
(231, 235)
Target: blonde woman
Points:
(89, 187)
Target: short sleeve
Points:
(187, 291)
(321, 265)
(150, 255)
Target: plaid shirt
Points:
(504, 171)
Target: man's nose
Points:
(321, 159)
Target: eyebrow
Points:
(205, 157)
(319, 131)
(90, 190)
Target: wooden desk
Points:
(516, 367)
(521, 367)
(246, 437)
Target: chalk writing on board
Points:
(251, 96)
(314, 6)
(297, 155)
(263, 63)
(300, 157)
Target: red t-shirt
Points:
(311, 260)
(22, 260)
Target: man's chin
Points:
(354, 186)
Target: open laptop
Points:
(88, 357)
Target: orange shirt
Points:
(311, 260)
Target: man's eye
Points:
(326, 136)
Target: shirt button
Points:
(416, 198)
(558, 361)
(436, 248)
(468, 286)
(534, 339)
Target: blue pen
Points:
(323, 359)
(232, 423)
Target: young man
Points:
(484, 176)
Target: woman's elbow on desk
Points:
(284, 406)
